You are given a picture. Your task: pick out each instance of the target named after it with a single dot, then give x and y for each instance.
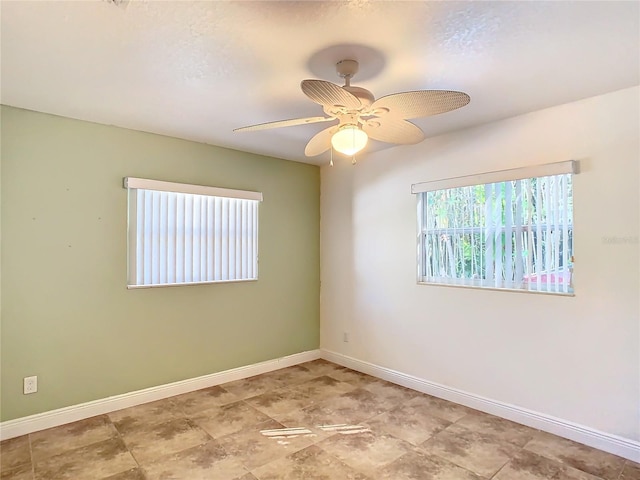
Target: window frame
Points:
(133, 185)
(483, 179)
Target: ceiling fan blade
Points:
(421, 103)
(393, 130)
(321, 142)
(327, 93)
(284, 123)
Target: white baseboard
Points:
(61, 416)
(614, 444)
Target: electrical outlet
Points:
(345, 337)
(30, 385)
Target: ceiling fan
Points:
(361, 117)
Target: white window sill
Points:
(500, 289)
(187, 284)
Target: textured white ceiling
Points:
(197, 70)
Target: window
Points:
(185, 234)
(507, 230)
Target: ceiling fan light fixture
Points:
(349, 140)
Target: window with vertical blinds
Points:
(506, 230)
(188, 234)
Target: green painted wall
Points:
(67, 315)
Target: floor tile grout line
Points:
(505, 464)
(340, 460)
(460, 466)
(560, 462)
(74, 448)
(183, 416)
(500, 469)
(520, 450)
(121, 437)
(33, 464)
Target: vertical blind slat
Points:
(163, 237)
(153, 236)
(530, 238)
(497, 222)
(539, 219)
(172, 201)
(557, 232)
(470, 221)
(519, 258)
(185, 240)
(565, 231)
(549, 239)
(204, 238)
(255, 256)
(489, 235)
(148, 231)
(196, 267)
(245, 257)
(508, 238)
(139, 206)
(195, 240)
(210, 238)
(238, 235)
(224, 235)
(231, 235)
(218, 239)
(249, 235)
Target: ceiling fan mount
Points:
(360, 116)
(347, 69)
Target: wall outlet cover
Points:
(30, 385)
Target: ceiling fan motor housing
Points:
(364, 95)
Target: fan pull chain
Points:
(331, 162)
(353, 159)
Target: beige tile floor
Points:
(312, 421)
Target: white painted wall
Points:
(575, 358)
